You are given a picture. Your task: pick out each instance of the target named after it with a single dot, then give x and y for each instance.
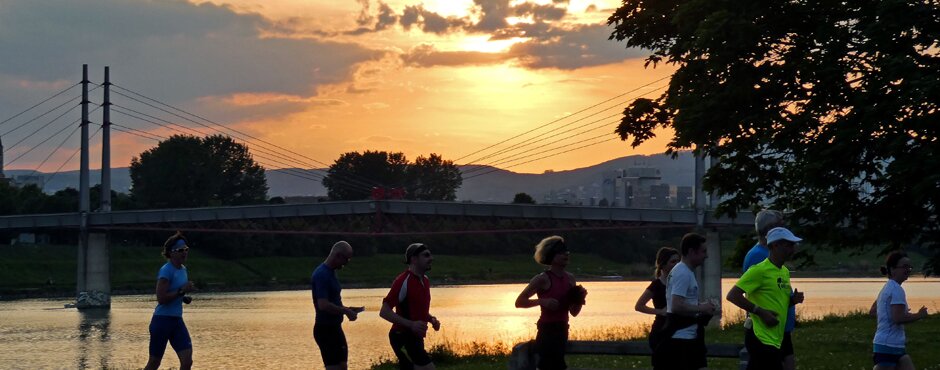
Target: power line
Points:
(349, 181)
(34, 147)
(43, 115)
(288, 171)
(529, 142)
(351, 176)
(540, 158)
(74, 130)
(256, 155)
(562, 118)
(40, 103)
(70, 157)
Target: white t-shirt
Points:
(681, 282)
(889, 333)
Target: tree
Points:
(523, 198)
(833, 116)
(354, 175)
(433, 178)
(187, 171)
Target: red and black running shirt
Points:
(410, 296)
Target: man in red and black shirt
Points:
(410, 296)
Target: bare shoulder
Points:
(540, 281)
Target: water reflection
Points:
(94, 338)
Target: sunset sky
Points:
(323, 77)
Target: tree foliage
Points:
(188, 171)
(825, 108)
(523, 198)
(354, 174)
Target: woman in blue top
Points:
(167, 322)
(892, 312)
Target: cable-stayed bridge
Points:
(151, 119)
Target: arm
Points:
(900, 315)
(873, 311)
(419, 327)
(327, 306)
(679, 306)
(736, 297)
(164, 295)
(524, 300)
(641, 304)
(574, 309)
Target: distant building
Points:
(683, 197)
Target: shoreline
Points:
(39, 293)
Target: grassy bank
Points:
(50, 270)
(832, 342)
(32, 270)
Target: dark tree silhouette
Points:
(826, 108)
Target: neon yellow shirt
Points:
(769, 287)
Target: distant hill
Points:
(497, 186)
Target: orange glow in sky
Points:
(452, 80)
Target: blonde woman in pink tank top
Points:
(557, 295)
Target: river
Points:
(272, 330)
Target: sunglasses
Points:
(180, 250)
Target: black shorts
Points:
(787, 345)
(762, 356)
(550, 342)
(332, 342)
(409, 348)
(683, 354)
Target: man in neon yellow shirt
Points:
(767, 285)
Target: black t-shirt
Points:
(659, 301)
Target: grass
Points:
(830, 342)
(50, 270)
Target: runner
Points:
(666, 259)
(892, 312)
(328, 304)
(167, 324)
(410, 296)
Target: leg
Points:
(789, 360)
(905, 363)
(398, 342)
(332, 342)
(186, 359)
(159, 335)
(182, 344)
(153, 363)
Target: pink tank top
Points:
(558, 290)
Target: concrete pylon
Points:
(95, 285)
(93, 280)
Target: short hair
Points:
(691, 241)
(545, 249)
(172, 241)
(662, 258)
(765, 220)
(891, 261)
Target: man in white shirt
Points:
(685, 349)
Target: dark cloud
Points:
(493, 14)
(169, 49)
(429, 21)
(386, 17)
(425, 55)
(365, 17)
(572, 48)
(540, 13)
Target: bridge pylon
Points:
(93, 283)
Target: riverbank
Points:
(31, 271)
(830, 342)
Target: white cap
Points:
(781, 233)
